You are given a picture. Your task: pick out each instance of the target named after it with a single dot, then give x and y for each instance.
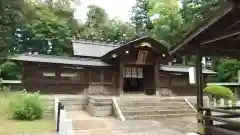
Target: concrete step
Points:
(155, 117)
(121, 104)
(139, 108)
(156, 112)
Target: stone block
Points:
(99, 108)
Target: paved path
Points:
(181, 124)
(87, 125)
(46, 133)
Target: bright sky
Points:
(114, 8)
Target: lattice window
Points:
(142, 55)
(49, 74)
(133, 72)
(73, 76)
(69, 74)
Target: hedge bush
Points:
(219, 91)
(26, 106)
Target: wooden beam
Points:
(223, 120)
(224, 36)
(221, 131)
(222, 111)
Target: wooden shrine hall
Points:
(138, 66)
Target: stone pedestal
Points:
(100, 107)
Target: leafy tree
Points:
(49, 29)
(140, 18)
(228, 71)
(195, 11)
(45, 28)
(10, 71)
(99, 27)
(167, 21)
(11, 17)
(96, 16)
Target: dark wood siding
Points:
(59, 79)
(175, 84)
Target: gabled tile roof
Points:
(92, 49)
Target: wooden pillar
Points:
(120, 79)
(199, 83)
(156, 77)
(58, 71)
(24, 77)
(199, 79)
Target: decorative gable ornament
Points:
(143, 44)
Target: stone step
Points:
(147, 101)
(151, 99)
(74, 103)
(151, 104)
(156, 112)
(73, 98)
(155, 117)
(74, 107)
(139, 108)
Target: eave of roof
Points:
(160, 48)
(182, 69)
(59, 60)
(224, 83)
(187, 41)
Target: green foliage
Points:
(219, 91)
(167, 20)
(26, 106)
(9, 70)
(11, 16)
(171, 21)
(227, 71)
(99, 27)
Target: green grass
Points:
(13, 127)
